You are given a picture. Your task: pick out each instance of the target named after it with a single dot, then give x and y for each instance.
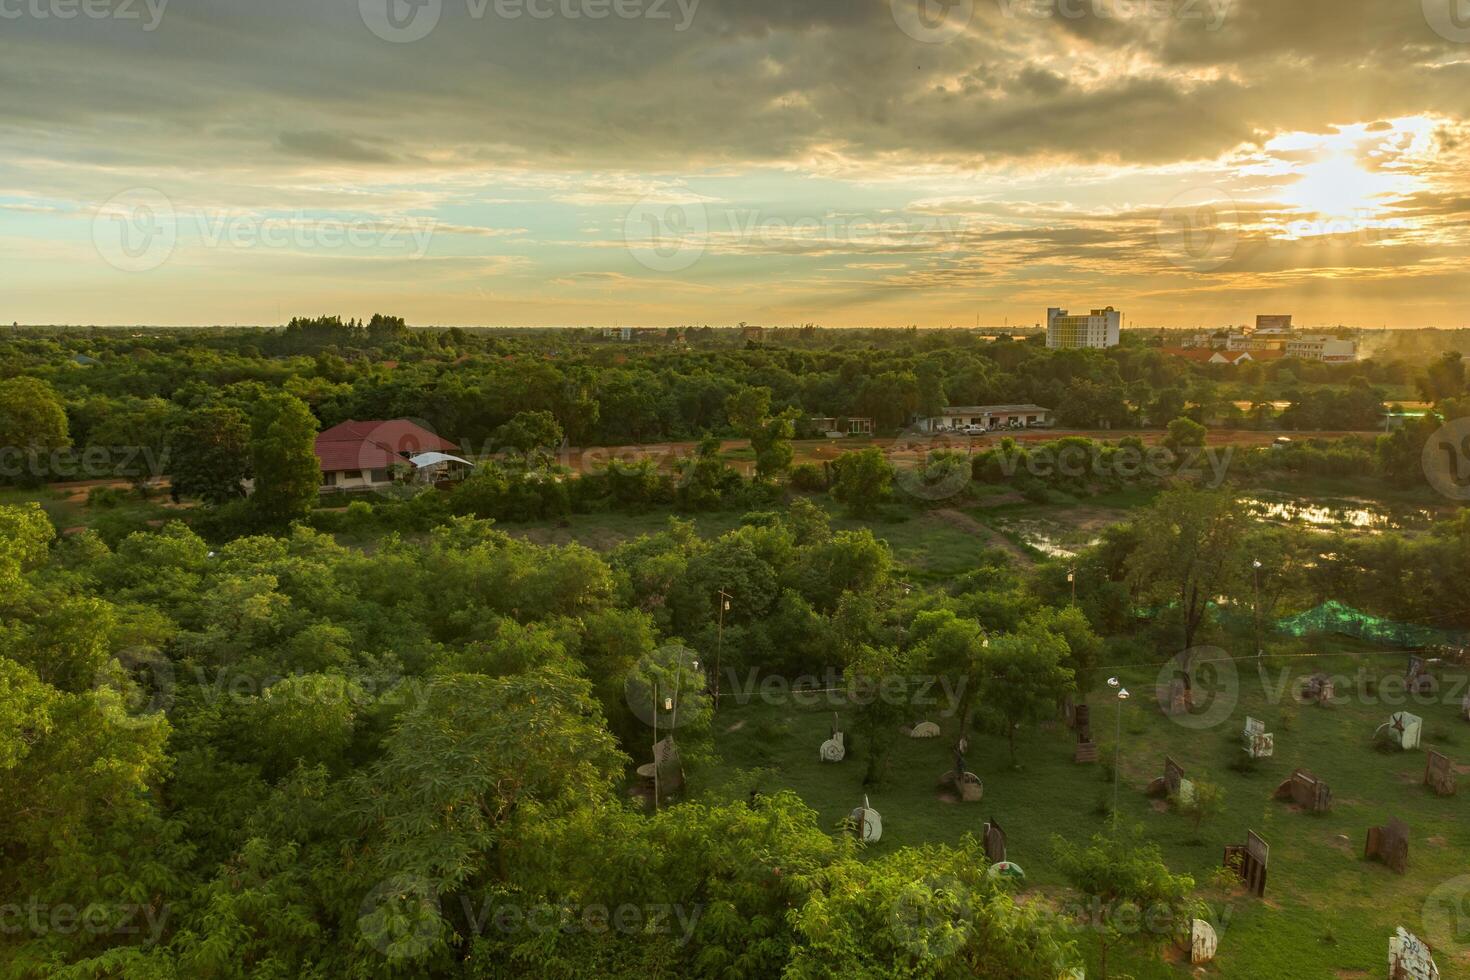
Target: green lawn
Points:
(1326, 910)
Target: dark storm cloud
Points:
(745, 82)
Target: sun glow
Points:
(1337, 187)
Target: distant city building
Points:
(1097, 329)
(988, 418)
(1277, 323)
(1322, 347)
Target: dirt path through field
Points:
(961, 521)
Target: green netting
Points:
(1335, 617)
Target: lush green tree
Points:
(1188, 553)
(1024, 678)
(1135, 898)
(877, 679)
(923, 912)
(25, 536)
(528, 433)
(32, 422)
(288, 476)
(1185, 434)
(705, 479)
(863, 480)
(1205, 802)
(210, 455)
(1444, 378)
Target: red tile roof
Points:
(1201, 355)
(375, 445)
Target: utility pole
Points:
(1072, 580)
(655, 745)
(720, 643)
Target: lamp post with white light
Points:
(1117, 685)
(1256, 567)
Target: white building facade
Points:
(1322, 347)
(987, 418)
(1100, 328)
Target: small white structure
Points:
(1403, 729)
(1259, 743)
(1409, 958)
(924, 729)
(835, 748)
(435, 466)
(1202, 942)
(867, 824)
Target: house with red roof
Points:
(363, 455)
(1204, 355)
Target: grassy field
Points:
(1327, 912)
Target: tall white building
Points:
(1098, 329)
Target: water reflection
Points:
(1345, 514)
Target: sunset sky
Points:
(844, 162)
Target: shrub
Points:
(808, 478)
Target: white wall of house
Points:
(355, 479)
(951, 420)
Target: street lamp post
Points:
(1072, 581)
(1260, 647)
(1113, 682)
(720, 643)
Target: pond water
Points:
(1335, 514)
(1050, 538)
